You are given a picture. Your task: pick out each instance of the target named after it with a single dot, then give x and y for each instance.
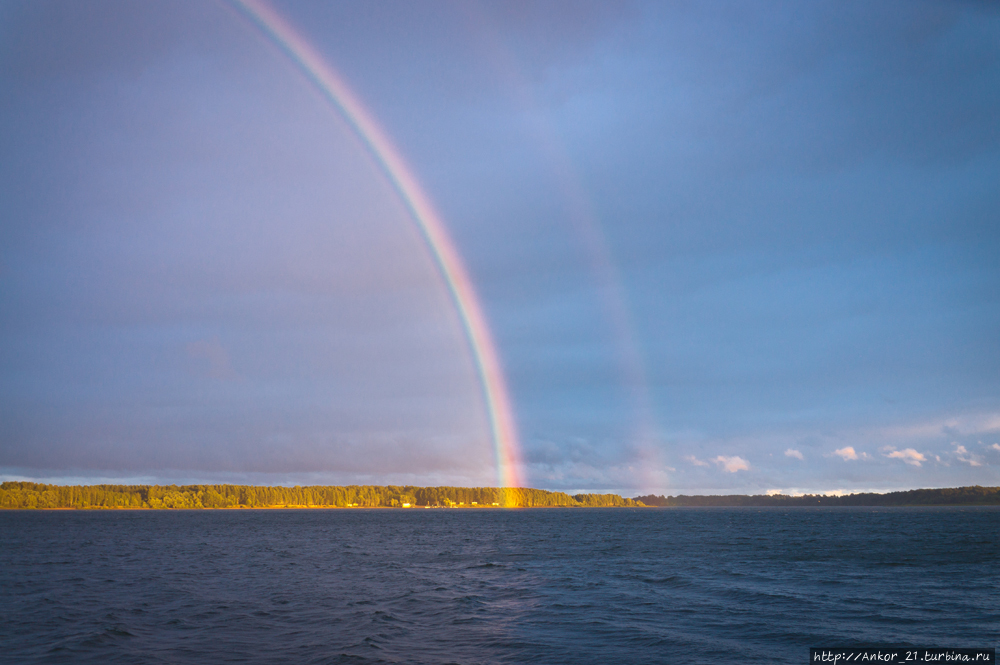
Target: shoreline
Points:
(22, 495)
(494, 508)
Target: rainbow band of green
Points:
(477, 332)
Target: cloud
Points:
(908, 455)
(962, 425)
(846, 453)
(964, 455)
(694, 460)
(732, 464)
(996, 446)
(791, 452)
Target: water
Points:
(575, 586)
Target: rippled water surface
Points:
(483, 586)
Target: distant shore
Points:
(38, 496)
(954, 496)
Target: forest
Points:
(954, 496)
(19, 495)
(28, 495)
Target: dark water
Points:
(481, 586)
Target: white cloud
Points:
(963, 455)
(794, 453)
(732, 464)
(694, 460)
(846, 453)
(774, 492)
(996, 446)
(908, 455)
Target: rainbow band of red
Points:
(463, 294)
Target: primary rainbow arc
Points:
(446, 256)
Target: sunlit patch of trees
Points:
(15, 495)
(954, 496)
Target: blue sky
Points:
(723, 247)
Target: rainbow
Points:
(446, 256)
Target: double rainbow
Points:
(477, 332)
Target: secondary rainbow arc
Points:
(442, 248)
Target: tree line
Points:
(954, 496)
(17, 495)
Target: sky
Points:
(732, 247)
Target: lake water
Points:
(696, 585)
